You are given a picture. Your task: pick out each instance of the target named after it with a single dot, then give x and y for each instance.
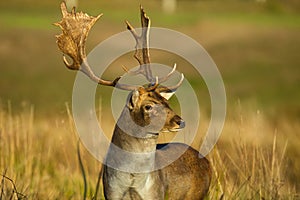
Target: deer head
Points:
(149, 109)
(147, 104)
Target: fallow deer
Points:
(134, 167)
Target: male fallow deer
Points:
(134, 167)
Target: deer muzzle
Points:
(176, 124)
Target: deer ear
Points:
(134, 99)
(167, 95)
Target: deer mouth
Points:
(175, 129)
(154, 134)
(171, 130)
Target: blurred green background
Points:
(254, 43)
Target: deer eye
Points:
(148, 107)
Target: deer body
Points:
(186, 178)
(135, 164)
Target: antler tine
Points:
(142, 46)
(142, 50)
(163, 79)
(171, 88)
(75, 29)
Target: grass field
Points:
(255, 45)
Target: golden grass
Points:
(39, 160)
(39, 156)
(252, 159)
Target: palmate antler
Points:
(142, 55)
(75, 29)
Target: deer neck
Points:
(132, 148)
(131, 137)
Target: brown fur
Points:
(188, 177)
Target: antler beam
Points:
(142, 54)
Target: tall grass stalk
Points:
(251, 169)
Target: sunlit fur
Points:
(188, 177)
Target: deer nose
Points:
(181, 123)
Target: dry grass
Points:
(254, 45)
(39, 156)
(253, 163)
(38, 159)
